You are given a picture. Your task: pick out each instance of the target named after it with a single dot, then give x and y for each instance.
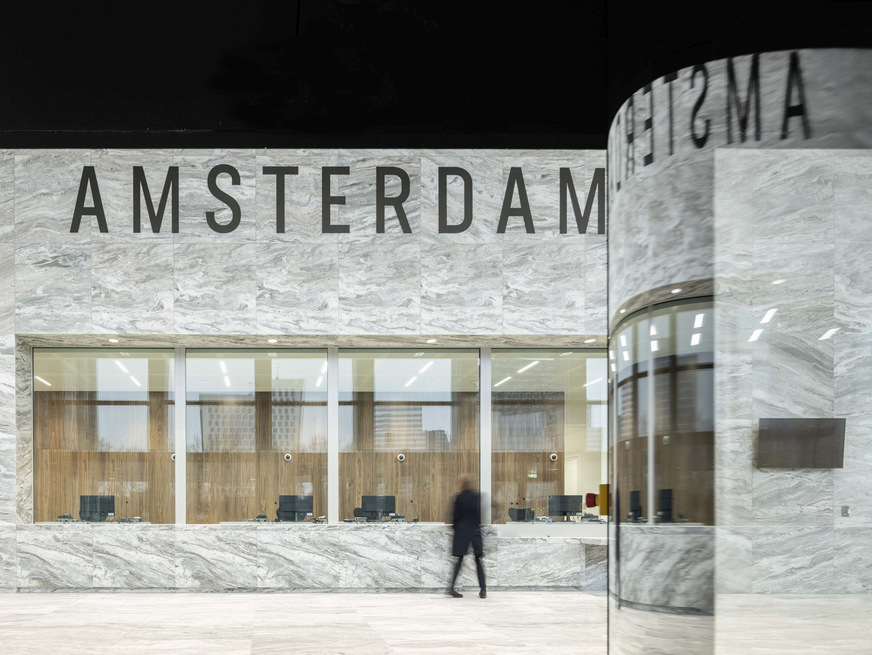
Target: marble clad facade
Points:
(200, 287)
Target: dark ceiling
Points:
(364, 73)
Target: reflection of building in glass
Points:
(287, 414)
(399, 426)
(225, 427)
(528, 420)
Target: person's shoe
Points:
(482, 594)
(454, 594)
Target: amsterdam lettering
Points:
(223, 177)
(741, 113)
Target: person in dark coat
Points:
(467, 532)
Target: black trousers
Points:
(478, 569)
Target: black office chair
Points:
(358, 513)
(521, 514)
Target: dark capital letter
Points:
(630, 127)
(648, 126)
(733, 99)
(794, 76)
(516, 178)
(225, 198)
(444, 227)
(699, 141)
(327, 200)
(280, 172)
(597, 188)
(89, 179)
(669, 79)
(381, 172)
(140, 187)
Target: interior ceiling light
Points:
(829, 333)
(755, 335)
(589, 340)
(502, 381)
(676, 291)
(431, 340)
(113, 340)
(530, 365)
(697, 321)
(778, 281)
(272, 340)
(768, 316)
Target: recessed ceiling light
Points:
(503, 380)
(46, 382)
(419, 354)
(768, 316)
(698, 320)
(113, 340)
(431, 340)
(676, 291)
(565, 354)
(530, 365)
(623, 311)
(694, 339)
(589, 340)
(271, 340)
(755, 335)
(778, 281)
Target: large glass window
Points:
(408, 427)
(256, 432)
(549, 411)
(103, 434)
(673, 416)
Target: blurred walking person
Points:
(467, 532)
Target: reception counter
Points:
(289, 556)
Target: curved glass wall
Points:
(103, 434)
(549, 433)
(408, 428)
(663, 443)
(256, 430)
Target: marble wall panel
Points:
(596, 285)
(46, 186)
(8, 556)
(379, 289)
(214, 558)
(7, 477)
(541, 562)
(294, 559)
(7, 195)
(134, 557)
(297, 288)
(793, 560)
(195, 198)
(734, 557)
(215, 288)
(543, 288)
(488, 190)
(55, 558)
(7, 285)
(852, 560)
(302, 196)
(132, 288)
(852, 198)
(804, 361)
(734, 473)
(541, 176)
(461, 289)
(793, 497)
(853, 287)
(852, 484)
(53, 287)
(359, 189)
(114, 169)
(793, 196)
(668, 567)
(23, 433)
(596, 568)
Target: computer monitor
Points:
(521, 514)
(96, 508)
(375, 507)
(565, 506)
(665, 505)
(294, 508)
(635, 506)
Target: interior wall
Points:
(801, 219)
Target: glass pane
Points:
(103, 427)
(408, 428)
(549, 412)
(256, 434)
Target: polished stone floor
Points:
(366, 623)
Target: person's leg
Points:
(479, 568)
(451, 590)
